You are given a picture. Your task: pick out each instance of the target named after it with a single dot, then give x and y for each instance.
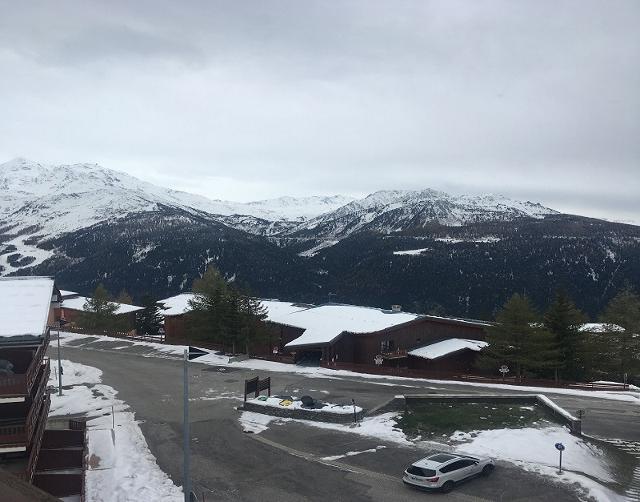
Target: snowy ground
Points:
(120, 466)
(159, 350)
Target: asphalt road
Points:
(285, 462)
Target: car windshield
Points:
(441, 458)
(419, 471)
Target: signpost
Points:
(560, 448)
(189, 354)
(504, 369)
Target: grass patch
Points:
(444, 418)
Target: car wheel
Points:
(447, 487)
(487, 469)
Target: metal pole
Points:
(59, 366)
(185, 428)
(355, 415)
(560, 467)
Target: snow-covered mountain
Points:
(42, 201)
(399, 210)
(427, 250)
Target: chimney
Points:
(396, 308)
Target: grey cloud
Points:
(531, 98)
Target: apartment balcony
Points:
(27, 363)
(19, 420)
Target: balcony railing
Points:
(21, 384)
(20, 431)
(36, 442)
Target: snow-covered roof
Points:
(280, 312)
(325, 323)
(277, 311)
(77, 303)
(25, 305)
(64, 292)
(446, 347)
(322, 324)
(599, 327)
(177, 305)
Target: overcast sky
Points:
(243, 100)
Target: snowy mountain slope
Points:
(43, 201)
(393, 211)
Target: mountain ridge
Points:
(428, 250)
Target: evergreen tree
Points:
(563, 320)
(150, 319)
(100, 312)
(623, 345)
(208, 317)
(222, 313)
(519, 340)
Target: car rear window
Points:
(419, 471)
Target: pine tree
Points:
(100, 312)
(150, 319)
(208, 317)
(519, 341)
(623, 345)
(563, 320)
(223, 313)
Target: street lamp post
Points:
(61, 323)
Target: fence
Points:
(127, 335)
(449, 375)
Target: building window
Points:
(387, 346)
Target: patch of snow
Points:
(411, 252)
(317, 248)
(353, 453)
(446, 347)
(600, 327)
(257, 422)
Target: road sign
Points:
(559, 446)
(504, 369)
(378, 360)
(195, 352)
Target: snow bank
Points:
(296, 404)
(534, 450)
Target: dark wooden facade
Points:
(394, 343)
(362, 348)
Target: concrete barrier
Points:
(399, 403)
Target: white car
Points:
(443, 470)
